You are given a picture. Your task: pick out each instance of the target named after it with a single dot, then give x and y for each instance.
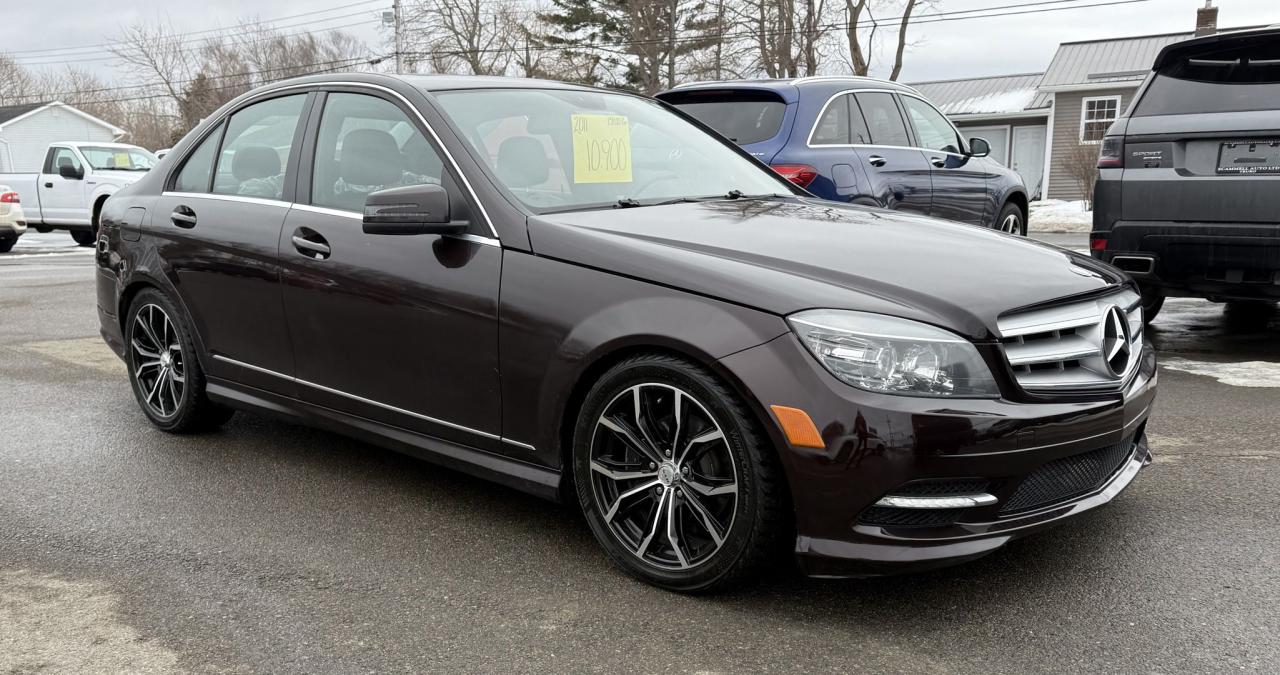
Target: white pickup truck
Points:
(75, 180)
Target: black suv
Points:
(1188, 194)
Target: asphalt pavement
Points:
(267, 547)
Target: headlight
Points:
(894, 356)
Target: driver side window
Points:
(366, 144)
(932, 129)
(59, 157)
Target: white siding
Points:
(23, 143)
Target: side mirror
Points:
(979, 147)
(70, 172)
(412, 209)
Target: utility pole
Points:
(395, 8)
(392, 18)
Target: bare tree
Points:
(1081, 163)
(16, 82)
(790, 36)
(472, 37)
(861, 25)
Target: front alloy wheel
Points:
(663, 476)
(676, 481)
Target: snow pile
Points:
(1056, 215)
(1012, 101)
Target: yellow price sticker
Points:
(121, 160)
(601, 149)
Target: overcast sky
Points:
(944, 49)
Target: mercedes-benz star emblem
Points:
(1115, 341)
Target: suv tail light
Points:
(10, 198)
(800, 174)
(1097, 244)
(1111, 156)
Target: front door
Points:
(899, 174)
(217, 228)
(62, 200)
(1028, 157)
(959, 181)
(401, 329)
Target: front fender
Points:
(561, 324)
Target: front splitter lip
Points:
(898, 555)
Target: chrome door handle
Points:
(183, 216)
(311, 249)
(938, 162)
(876, 160)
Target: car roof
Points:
(96, 144)
(801, 84)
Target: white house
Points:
(27, 130)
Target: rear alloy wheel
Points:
(674, 480)
(1010, 220)
(166, 376)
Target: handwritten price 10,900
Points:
(608, 155)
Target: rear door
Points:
(217, 230)
(959, 181)
(756, 119)
(1202, 143)
(62, 200)
(899, 174)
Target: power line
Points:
(956, 15)
(182, 36)
(52, 96)
(197, 47)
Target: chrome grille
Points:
(1089, 346)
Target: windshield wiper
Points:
(626, 203)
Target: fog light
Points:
(939, 502)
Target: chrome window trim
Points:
(261, 201)
(321, 86)
(810, 144)
(475, 238)
(361, 399)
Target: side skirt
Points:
(535, 480)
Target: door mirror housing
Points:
(979, 147)
(70, 172)
(412, 209)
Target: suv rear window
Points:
(743, 117)
(1219, 77)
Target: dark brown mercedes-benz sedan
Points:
(589, 296)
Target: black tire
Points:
(84, 237)
(186, 408)
(1152, 301)
(7, 244)
(44, 230)
(757, 517)
(1011, 220)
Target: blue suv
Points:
(864, 141)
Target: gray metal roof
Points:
(999, 95)
(9, 112)
(1121, 60)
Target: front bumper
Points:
(876, 444)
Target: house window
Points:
(1096, 116)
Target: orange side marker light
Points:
(799, 428)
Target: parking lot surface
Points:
(267, 547)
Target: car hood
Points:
(786, 255)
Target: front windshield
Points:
(559, 150)
(119, 159)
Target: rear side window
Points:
(833, 127)
(743, 117)
(883, 119)
(1234, 75)
(195, 174)
(256, 148)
